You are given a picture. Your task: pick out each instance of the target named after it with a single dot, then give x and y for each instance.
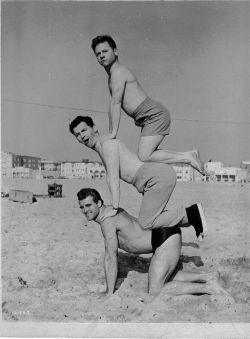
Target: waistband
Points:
(145, 104)
(137, 174)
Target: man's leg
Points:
(162, 267)
(157, 182)
(148, 152)
(163, 263)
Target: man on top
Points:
(156, 181)
(123, 231)
(152, 117)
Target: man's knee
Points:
(146, 224)
(160, 272)
(144, 155)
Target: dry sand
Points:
(52, 265)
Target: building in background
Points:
(85, 170)
(184, 172)
(26, 161)
(6, 163)
(50, 169)
(217, 172)
(95, 170)
(245, 164)
(24, 166)
(21, 172)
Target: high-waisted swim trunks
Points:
(156, 182)
(160, 235)
(152, 117)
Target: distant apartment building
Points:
(245, 164)
(50, 169)
(21, 172)
(26, 161)
(213, 166)
(96, 170)
(184, 172)
(6, 163)
(86, 170)
(72, 170)
(217, 172)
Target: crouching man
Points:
(123, 231)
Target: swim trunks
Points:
(152, 117)
(156, 181)
(160, 235)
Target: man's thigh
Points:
(159, 187)
(164, 262)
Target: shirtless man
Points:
(152, 117)
(156, 181)
(123, 231)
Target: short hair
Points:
(78, 120)
(103, 38)
(89, 192)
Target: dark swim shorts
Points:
(160, 235)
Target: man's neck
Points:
(97, 144)
(109, 68)
(99, 217)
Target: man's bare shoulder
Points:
(111, 143)
(117, 220)
(109, 224)
(121, 71)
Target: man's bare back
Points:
(131, 237)
(128, 163)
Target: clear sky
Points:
(193, 57)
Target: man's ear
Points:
(95, 128)
(115, 52)
(99, 203)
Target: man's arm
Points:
(111, 251)
(117, 86)
(112, 160)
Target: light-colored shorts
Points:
(156, 181)
(152, 117)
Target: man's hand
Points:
(110, 211)
(105, 137)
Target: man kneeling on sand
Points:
(123, 231)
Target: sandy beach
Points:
(52, 264)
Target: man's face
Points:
(105, 54)
(89, 208)
(84, 134)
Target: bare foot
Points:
(195, 162)
(211, 276)
(215, 276)
(215, 288)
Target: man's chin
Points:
(91, 218)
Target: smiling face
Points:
(105, 54)
(90, 208)
(84, 134)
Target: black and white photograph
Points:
(125, 169)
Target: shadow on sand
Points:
(132, 262)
